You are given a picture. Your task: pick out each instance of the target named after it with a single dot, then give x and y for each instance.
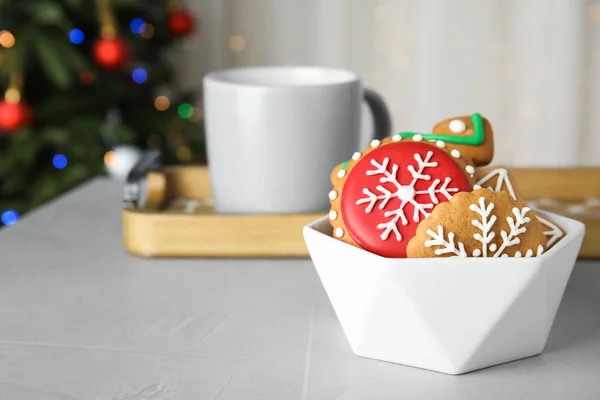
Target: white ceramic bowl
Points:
(451, 315)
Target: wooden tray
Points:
(572, 192)
(188, 227)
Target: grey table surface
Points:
(82, 319)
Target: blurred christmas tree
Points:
(67, 64)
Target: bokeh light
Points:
(139, 75)
(12, 95)
(162, 103)
(137, 25)
(59, 161)
(185, 110)
(9, 217)
(237, 43)
(7, 39)
(148, 31)
(76, 36)
(109, 158)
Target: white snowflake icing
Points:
(405, 193)
(485, 226)
(448, 246)
(551, 230)
(485, 223)
(516, 226)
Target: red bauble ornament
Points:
(111, 53)
(392, 188)
(14, 116)
(181, 23)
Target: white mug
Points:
(274, 135)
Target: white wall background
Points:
(531, 66)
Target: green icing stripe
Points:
(475, 140)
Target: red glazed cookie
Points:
(482, 223)
(379, 197)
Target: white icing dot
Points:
(332, 215)
(493, 247)
(476, 253)
(417, 138)
(455, 153)
(356, 156)
(458, 126)
(396, 138)
(333, 195)
(476, 187)
(341, 173)
(440, 144)
(470, 169)
(504, 255)
(375, 143)
(339, 232)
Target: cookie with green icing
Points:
(470, 135)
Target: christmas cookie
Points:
(380, 195)
(500, 179)
(471, 135)
(468, 137)
(497, 179)
(482, 223)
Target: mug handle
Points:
(381, 115)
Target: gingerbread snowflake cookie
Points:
(482, 223)
(380, 195)
(500, 179)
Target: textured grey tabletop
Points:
(82, 319)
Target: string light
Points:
(9, 217)
(12, 95)
(139, 75)
(137, 25)
(148, 31)
(185, 110)
(109, 158)
(76, 36)
(162, 103)
(59, 161)
(86, 77)
(237, 43)
(7, 40)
